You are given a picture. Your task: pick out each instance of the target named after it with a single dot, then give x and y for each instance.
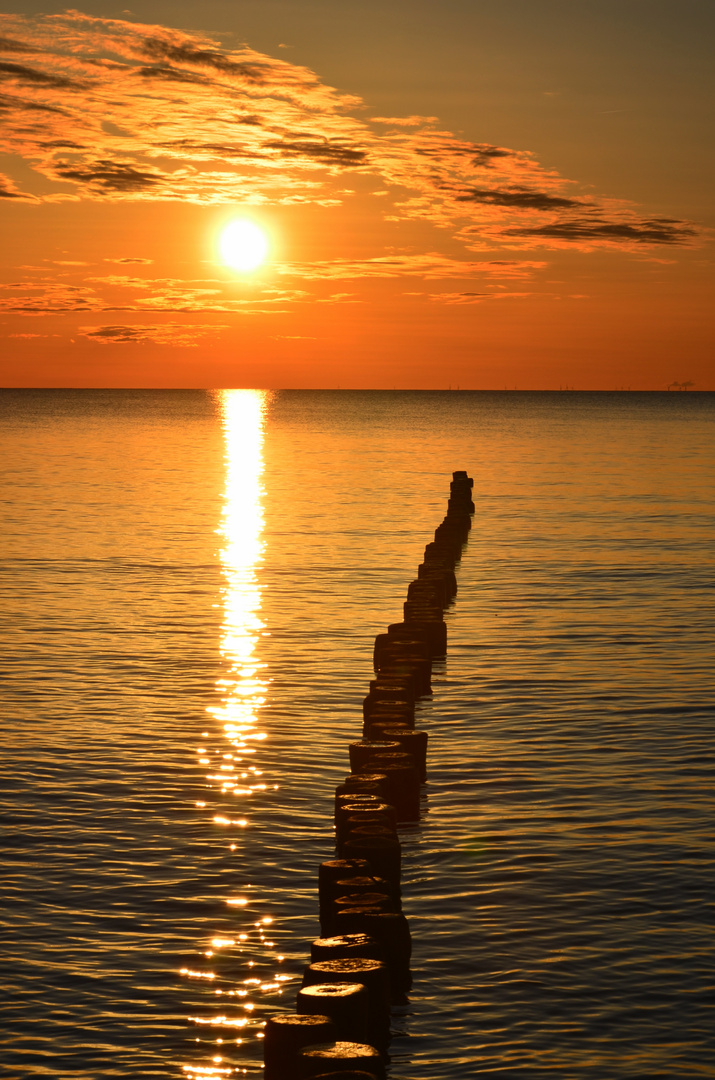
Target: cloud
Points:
(119, 176)
(429, 266)
(208, 295)
(461, 297)
(498, 197)
(404, 121)
(24, 74)
(108, 109)
(646, 231)
(10, 105)
(183, 335)
(159, 71)
(8, 45)
(480, 297)
(256, 72)
(520, 198)
(119, 292)
(486, 155)
(321, 150)
(48, 298)
(8, 190)
(126, 293)
(339, 298)
(126, 120)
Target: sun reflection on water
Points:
(241, 692)
(243, 689)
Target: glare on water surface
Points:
(229, 751)
(242, 691)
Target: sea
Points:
(192, 583)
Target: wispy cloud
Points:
(430, 265)
(47, 298)
(9, 45)
(8, 190)
(32, 335)
(184, 335)
(114, 110)
(404, 121)
(125, 113)
(119, 292)
(481, 297)
(595, 227)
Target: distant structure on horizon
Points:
(681, 385)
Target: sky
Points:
(482, 194)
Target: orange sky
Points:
(488, 194)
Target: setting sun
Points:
(243, 245)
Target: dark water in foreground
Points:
(192, 585)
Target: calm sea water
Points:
(192, 583)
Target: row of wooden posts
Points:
(360, 965)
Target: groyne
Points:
(360, 965)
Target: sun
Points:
(243, 245)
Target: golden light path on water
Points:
(242, 692)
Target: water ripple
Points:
(559, 885)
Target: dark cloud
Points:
(125, 261)
(323, 151)
(208, 149)
(479, 154)
(117, 333)
(519, 199)
(37, 78)
(181, 335)
(171, 74)
(12, 46)
(486, 154)
(108, 175)
(460, 297)
(10, 104)
(646, 231)
(209, 58)
(479, 297)
(62, 144)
